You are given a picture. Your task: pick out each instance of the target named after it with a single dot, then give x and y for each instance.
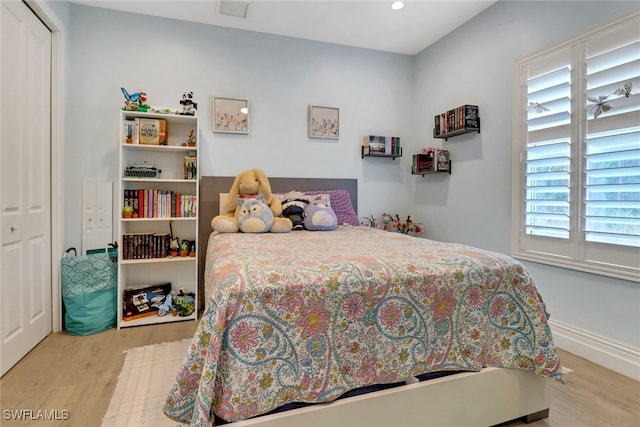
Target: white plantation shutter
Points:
(577, 148)
(612, 167)
(548, 154)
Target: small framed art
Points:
(324, 122)
(230, 115)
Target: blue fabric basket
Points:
(89, 291)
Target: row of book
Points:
(145, 245)
(150, 203)
(142, 130)
(463, 117)
(431, 161)
(389, 145)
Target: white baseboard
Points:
(597, 349)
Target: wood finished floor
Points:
(79, 374)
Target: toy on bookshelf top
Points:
(188, 106)
(135, 101)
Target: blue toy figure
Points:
(167, 305)
(255, 216)
(135, 101)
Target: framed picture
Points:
(230, 115)
(324, 122)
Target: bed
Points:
(305, 317)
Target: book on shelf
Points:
(151, 203)
(145, 245)
(431, 161)
(149, 131)
(382, 145)
(190, 166)
(461, 118)
(471, 116)
(423, 163)
(162, 132)
(442, 160)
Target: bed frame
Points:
(489, 397)
(486, 398)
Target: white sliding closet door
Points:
(25, 182)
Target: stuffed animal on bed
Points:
(254, 216)
(293, 205)
(249, 184)
(319, 216)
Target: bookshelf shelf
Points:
(158, 219)
(155, 319)
(366, 152)
(458, 121)
(158, 260)
(161, 188)
(161, 180)
(158, 148)
(432, 172)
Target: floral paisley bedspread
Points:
(306, 316)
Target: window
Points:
(577, 153)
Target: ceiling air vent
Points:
(235, 8)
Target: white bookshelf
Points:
(153, 268)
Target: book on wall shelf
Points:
(432, 161)
(158, 204)
(381, 146)
(458, 121)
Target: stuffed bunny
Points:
(249, 184)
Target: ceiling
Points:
(370, 24)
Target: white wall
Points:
(473, 65)
(279, 76)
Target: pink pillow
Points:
(341, 204)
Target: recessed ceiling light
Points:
(397, 5)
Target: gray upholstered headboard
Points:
(212, 186)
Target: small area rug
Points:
(143, 385)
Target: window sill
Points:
(608, 270)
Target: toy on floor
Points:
(248, 184)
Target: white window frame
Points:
(575, 252)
